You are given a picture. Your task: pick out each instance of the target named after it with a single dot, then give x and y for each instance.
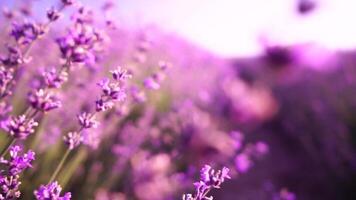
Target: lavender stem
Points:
(59, 166)
(7, 147)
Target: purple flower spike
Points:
(103, 105)
(53, 79)
(26, 32)
(87, 120)
(224, 174)
(18, 163)
(112, 90)
(9, 187)
(20, 127)
(52, 191)
(13, 58)
(205, 173)
(53, 14)
(43, 101)
(73, 139)
(80, 44)
(68, 2)
(188, 197)
(120, 74)
(209, 179)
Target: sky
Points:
(241, 27)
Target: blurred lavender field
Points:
(106, 100)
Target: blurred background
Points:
(281, 72)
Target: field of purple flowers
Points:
(92, 110)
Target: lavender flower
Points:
(9, 187)
(51, 191)
(188, 197)
(17, 163)
(73, 139)
(103, 105)
(43, 101)
(87, 120)
(79, 45)
(54, 79)
(68, 2)
(120, 74)
(20, 127)
(209, 179)
(26, 32)
(71, 51)
(53, 14)
(83, 16)
(13, 58)
(6, 75)
(111, 92)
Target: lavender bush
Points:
(93, 110)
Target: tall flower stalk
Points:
(112, 91)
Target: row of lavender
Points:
(125, 137)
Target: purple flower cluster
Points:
(53, 14)
(51, 191)
(26, 32)
(17, 163)
(73, 139)
(43, 101)
(112, 90)
(54, 78)
(81, 43)
(68, 2)
(209, 179)
(120, 74)
(9, 178)
(9, 187)
(87, 120)
(20, 127)
(14, 57)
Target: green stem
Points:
(59, 166)
(7, 147)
